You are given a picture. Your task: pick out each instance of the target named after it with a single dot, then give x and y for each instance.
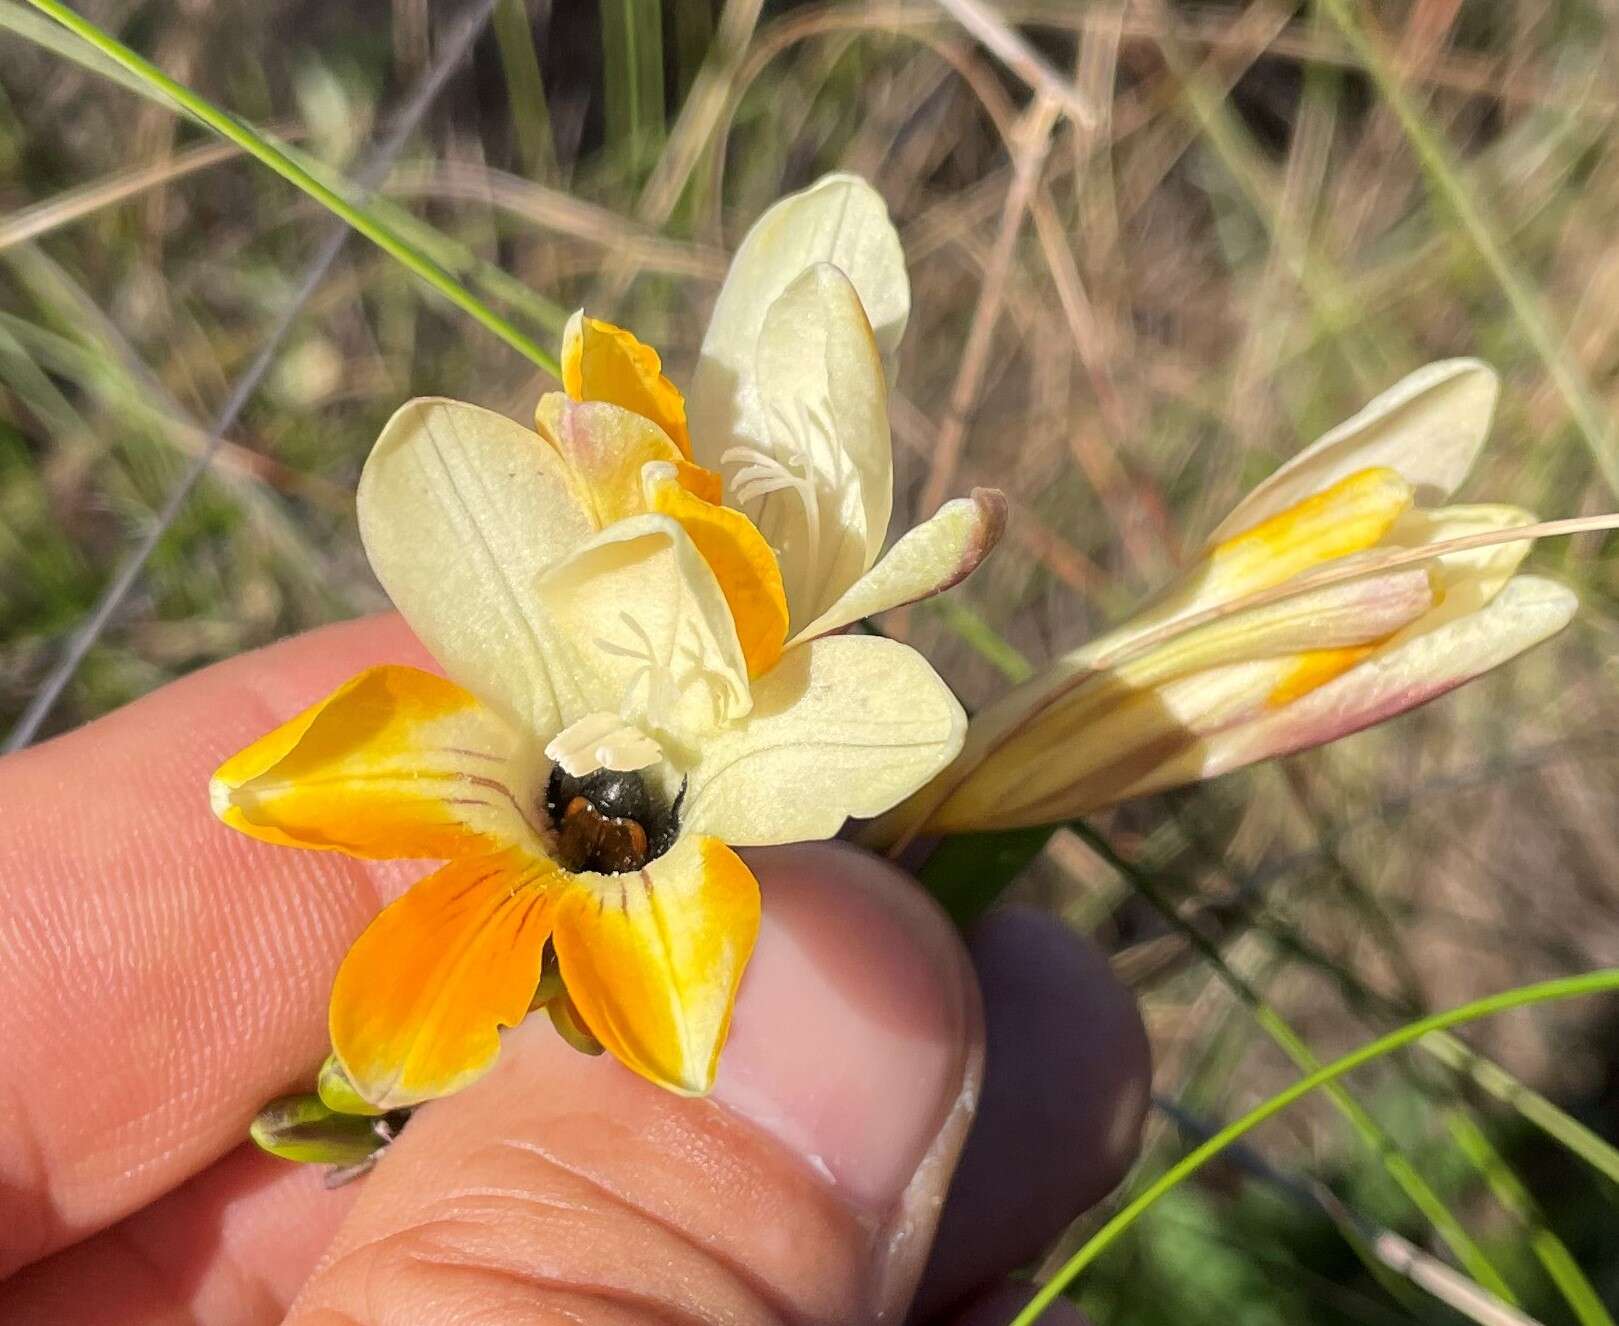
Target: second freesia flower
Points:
(1196, 684)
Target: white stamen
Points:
(602, 741)
(662, 686)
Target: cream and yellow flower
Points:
(1196, 684)
(640, 677)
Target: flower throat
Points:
(608, 822)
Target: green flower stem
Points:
(234, 130)
(1566, 987)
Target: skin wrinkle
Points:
(34, 1180)
(643, 1313)
(658, 1310)
(124, 943)
(688, 1165)
(160, 1276)
(908, 1234)
(458, 1240)
(737, 1269)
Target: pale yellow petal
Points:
(1350, 516)
(461, 510)
(651, 959)
(1428, 428)
(814, 464)
(1041, 778)
(647, 634)
(601, 362)
(1467, 580)
(927, 560)
(419, 1001)
(841, 220)
(1347, 520)
(602, 741)
(842, 726)
(394, 763)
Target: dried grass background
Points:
(1154, 250)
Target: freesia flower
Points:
(638, 677)
(1187, 689)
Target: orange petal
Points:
(601, 362)
(741, 560)
(1316, 667)
(652, 959)
(419, 1001)
(1349, 517)
(699, 482)
(394, 763)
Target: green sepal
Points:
(550, 985)
(968, 872)
(570, 1026)
(304, 1128)
(338, 1093)
(551, 994)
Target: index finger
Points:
(160, 976)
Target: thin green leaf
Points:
(362, 219)
(1410, 1180)
(1566, 987)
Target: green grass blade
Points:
(967, 872)
(1410, 1180)
(1446, 181)
(1565, 987)
(525, 86)
(1556, 1123)
(449, 253)
(361, 219)
(632, 55)
(966, 621)
(23, 22)
(1549, 1250)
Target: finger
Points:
(160, 976)
(1069, 1079)
(804, 1189)
(232, 1245)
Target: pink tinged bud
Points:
(1441, 654)
(1064, 744)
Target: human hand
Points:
(161, 978)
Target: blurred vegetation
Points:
(1235, 225)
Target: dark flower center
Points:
(609, 822)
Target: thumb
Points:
(806, 1188)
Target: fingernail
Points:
(858, 1044)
